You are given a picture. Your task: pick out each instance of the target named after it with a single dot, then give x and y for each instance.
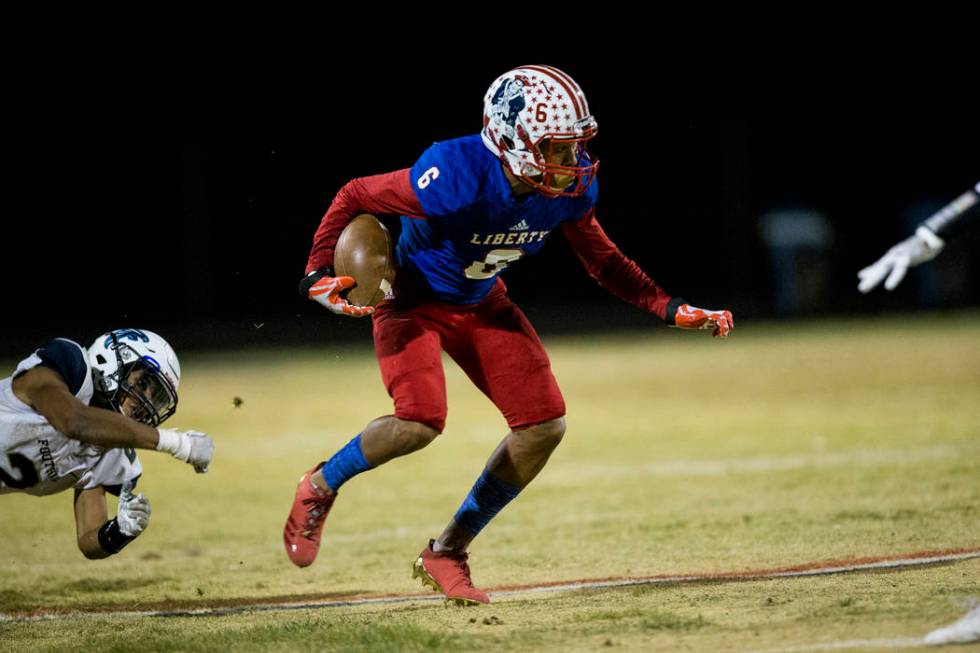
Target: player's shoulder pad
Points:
(68, 359)
(450, 175)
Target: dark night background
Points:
(188, 206)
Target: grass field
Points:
(787, 444)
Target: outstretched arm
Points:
(624, 278)
(614, 271)
(45, 391)
(925, 244)
(955, 216)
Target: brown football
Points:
(364, 252)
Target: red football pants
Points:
(492, 341)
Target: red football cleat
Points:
(301, 534)
(448, 572)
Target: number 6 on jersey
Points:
(495, 261)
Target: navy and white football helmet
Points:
(139, 365)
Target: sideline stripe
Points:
(823, 568)
(888, 644)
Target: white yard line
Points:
(887, 644)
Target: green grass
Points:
(702, 617)
(785, 444)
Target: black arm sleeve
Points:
(111, 539)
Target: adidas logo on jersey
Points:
(520, 226)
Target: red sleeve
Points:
(610, 267)
(390, 193)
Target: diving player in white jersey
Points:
(71, 418)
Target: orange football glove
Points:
(326, 290)
(691, 317)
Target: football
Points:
(364, 252)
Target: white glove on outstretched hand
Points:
(919, 248)
(192, 447)
(133, 513)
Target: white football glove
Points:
(193, 447)
(923, 246)
(133, 512)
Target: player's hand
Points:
(921, 247)
(691, 317)
(325, 289)
(192, 447)
(133, 513)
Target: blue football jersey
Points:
(475, 226)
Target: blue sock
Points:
(345, 464)
(488, 497)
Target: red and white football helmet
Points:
(530, 109)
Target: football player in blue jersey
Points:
(469, 208)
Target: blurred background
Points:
(187, 205)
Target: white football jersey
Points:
(38, 460)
